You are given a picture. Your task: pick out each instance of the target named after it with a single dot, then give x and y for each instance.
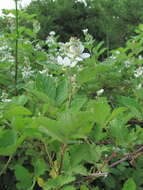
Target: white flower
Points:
(66, 62)
(127, 63)
(11, 15)
(70, 53)
(76, 49)
(27, 72)
(117, 52)
(85, 55)
(52, 33)
(78, 59)
(112, 57)
(43, 71)
(139, 86)
(6, 100)
(138, 72)
(140, 57)
(85, 30)
(99, 92)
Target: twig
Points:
(129, 156)
(93, 175)
(126, 157)
(6, 165)
(50, 159)
(98, 174)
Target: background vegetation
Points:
(71, 108)
(111, 21)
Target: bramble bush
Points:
(68, 120)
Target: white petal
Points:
(70, 55)
(85, 55)
(78, 59)
(73, 49)
(85, 30)
(60, 60)
(52, 33)
(99, 92)
(81, 48)
(66, 61)
(73, 63)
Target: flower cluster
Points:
(71, 53)
(27, 72)
(127, 63)
(138, 72)
(4, 97)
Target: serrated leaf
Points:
(79, 170)
(40, 167)
(78, 102)
(129, 185)
(47, 85)
(68, 188)
(62, 92)
(8, 138)
(9, 150)
(58, 182)
(23, 176)
(14, 111)
(116, 112)
(89, 73)
(100, 110)
(84, 187)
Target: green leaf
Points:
(89, 73)
(96, 188)
(79, 169)
(40, 167)
(19, 123)
(15, 110)
(129, 185)
(84, 187)
(68, 188)
(47, 85)
(49, 127)
(58, 182)
(62, 92)
(23, 176)
(10, 149)
(86, 75)
(119, 132)
(8, 138)
(78, 102)
(132, 104)
(100, 110)
(116, 112)
(79, 153)
(42, 97)
(21, 100)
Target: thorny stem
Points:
(63, 149)
(130, 156)
(70, 94)
(69, 88)
(16, 46)
(50, 159)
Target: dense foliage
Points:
(69, 121)
(112, 21)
